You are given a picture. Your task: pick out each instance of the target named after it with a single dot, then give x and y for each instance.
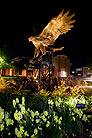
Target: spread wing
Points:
(57, 26)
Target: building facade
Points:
(61, 65)
(83, 71)
(61, 68)
(13, 72)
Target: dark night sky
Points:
(17, 25)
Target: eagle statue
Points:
(57, 26)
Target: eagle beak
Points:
(30, 39)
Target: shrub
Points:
(58, 119)
(43, 113)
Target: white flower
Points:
(60, 118)
(36, 113)
(23, 110)
(9, 122)
(26, 134)
(45, 113)
(14, 103)
(17, 100)
(84, 118)
(32, 114)
(59, 99)
(1, 126)
(59, 128)
(17, 132)
(35, 131)
(57, 104)
(18, 115)
(50, 102)
(39, 128)
(23, 100)
(48, 123)
(56, 118)
(37, 120)
(1, 113)
(73, 118)
(21, 129)
(43, 118)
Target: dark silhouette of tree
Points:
(5, 56)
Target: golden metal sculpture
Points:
(55, 49)
(57, 26)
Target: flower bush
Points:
(29, 111)
(2, 83)
(57, 120)
(18, 84)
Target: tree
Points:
(20, 63)
(3, 64)
(5, 56)
(6, 50)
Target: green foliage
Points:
(34, 123)
(5, 55)
(29, 117)
(19, 65)
(3, 63)
(44, 114)
(6, 51)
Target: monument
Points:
(57, 26)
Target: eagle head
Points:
(31, 39)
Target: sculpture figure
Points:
(57, 26)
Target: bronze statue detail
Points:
(57, 26)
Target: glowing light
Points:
(1, 60)
(73, 72)
(10, 72)
(63, 74)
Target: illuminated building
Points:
(83, 71)
(61, 65)
(61, 68)
(12, 72)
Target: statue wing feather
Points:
(57, 26)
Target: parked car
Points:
(88, 77)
